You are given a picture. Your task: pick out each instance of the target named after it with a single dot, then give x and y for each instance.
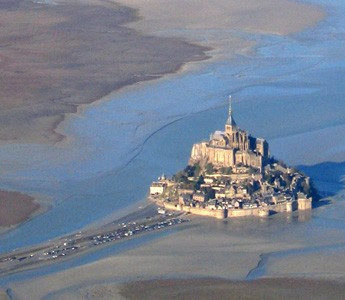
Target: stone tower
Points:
(237, 138)
(230, 125)
(231, 147)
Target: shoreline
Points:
(42, 204)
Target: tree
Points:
(199, 182)
(209, 192)
(180, 177)
(271, 160)
(268, 178)
(253, 170)
(226, 170)
(209, 169)
(287, 179)
(197, 170)
(313, 191)
(310, 190)
(189, 170)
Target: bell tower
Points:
(230, 125)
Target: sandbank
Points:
(15, 208)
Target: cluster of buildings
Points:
(233, 175)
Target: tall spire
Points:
(230, 120)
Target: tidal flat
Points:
(288, 92)
(58, 55)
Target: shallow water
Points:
(290, 93)
(86, 258)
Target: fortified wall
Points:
(236, 213)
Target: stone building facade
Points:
(231, 147)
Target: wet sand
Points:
(213, 288)
(200, 251)
(77, 52)
(56, 57)
(203, 248)
(3, 295)
(141, 223)
(223, 24)
(15, 208)
(225, 253)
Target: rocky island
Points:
(234, 175)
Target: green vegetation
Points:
(209, 169)
(180, 177)
(192, 171)
(287, 179)
(271, 160)
(226, 170)
(269, 178)
(199, 182)
(251, 188)
(253, 170)
(209, 192)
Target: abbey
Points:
(232, 175)
(231, 147)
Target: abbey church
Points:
(232, 147)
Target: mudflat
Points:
(3, 295)
(54, 57)
(15, 208)
(212, 288)
(220, 24)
